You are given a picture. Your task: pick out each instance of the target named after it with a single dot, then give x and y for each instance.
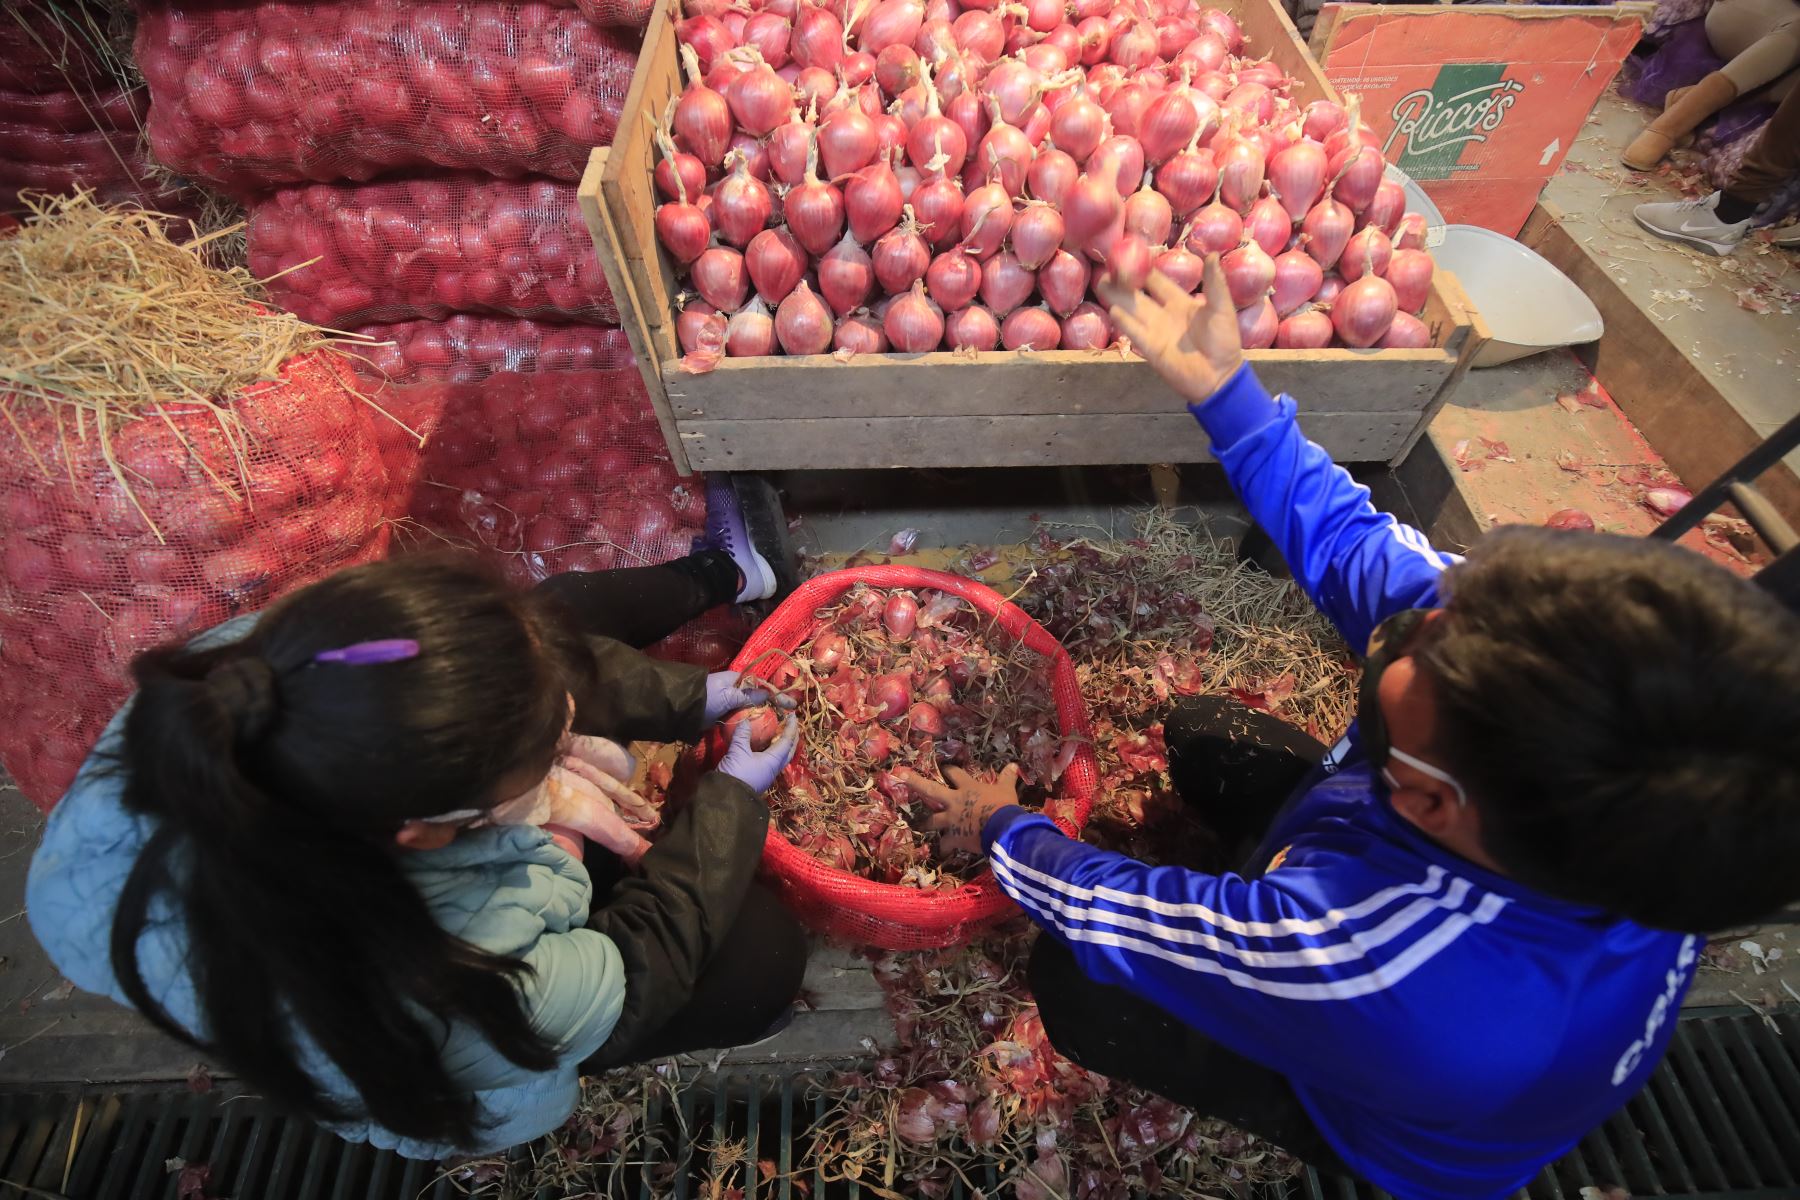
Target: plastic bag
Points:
(428, 248)
(249, 95)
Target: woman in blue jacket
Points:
(277, 852)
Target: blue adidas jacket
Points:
(1449, 1030)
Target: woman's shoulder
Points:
(502, 887)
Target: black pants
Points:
(754, 975)
(1238, 767)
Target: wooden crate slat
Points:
(627, 184)
(843, 443)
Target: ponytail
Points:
(279, 784)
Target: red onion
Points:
(1363, 311)
(1258, 325)
(1667, 501)
(1095, 36)
(1052, 171)
(788, 148)
(1214, 21)
(1367, 253)
(1183, 267)
(972, 328)
(1249, 274)
(1410, 233)
(914, 324)
(818, 39)
(1386, 209)
(1187, 180)
(1356, 176)
(1177, 118)
(775, 262)
(953, 279)
(1128, 154)
(1037, 232)
(890, 136)
(706, 37)
(1240, 172)
(1173, 34)
(1214, 84)
(909, 178)
(1125, 107)
(1297, 177)
(980, 34)
(1093, 212)
(1297, 279)
(1004, 157)
(700, 326)
(751, 331)
(1087, 328)
(987, 218)
(1206, 52)
(1135, 46)
(892, 694)
(814, 210)
(846, 276)
(1268, 224)
(1215, 229)
(857, 68)
(760, 100)
(814, 88)
(1063, 282)
(898, 68)
(1030, 329)
(679, 176)
(683, 230)
(1322, 119)
(803, 323)
(901, 258)
(1065, 39)
(1078, 125)
(1326, 231)
(1328, 291)
(901, 616)
(755, 153)
(1149, 215)
(1406, 333)
(1043, 15)
(858, 335)
(873, 203)
(720, 278)
(1253, 100)
(1410, 273)
(846, 141)
(702, 124)
(770, 33)
(936, 143)
(890, 23)
(1570, 518)
(909, 105)
(1005, 283)
(1128, 262)
(970, 115)
(742, 204)
(938, 206)
(1308, 329)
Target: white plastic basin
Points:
(1416, 199)
(1529, 305)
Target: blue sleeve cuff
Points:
(1238, 409)
(1003, 820)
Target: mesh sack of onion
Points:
(916, 176)
(347, 254)
(536, 446)
(192, 457)
(904, 667)
(249, 95)
(70, 111)
(47, 48)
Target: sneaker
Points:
(1787, 237)
(725, 530)
(1693, 222)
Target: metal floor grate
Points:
(1719, 1121)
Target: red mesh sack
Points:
(840, 904)
(248, 95)
(86, 580)
(109, 163)
(428, 248)
(44, 51)
(75, 111)
(628, 14)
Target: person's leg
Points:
(642, 605)
(1235, 764)
(1771, 162)
(1111, 1032)
(746, 988)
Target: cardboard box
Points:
(1479, 104)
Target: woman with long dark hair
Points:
(281, 851)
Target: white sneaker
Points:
(1693, 222)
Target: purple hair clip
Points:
(364, 654)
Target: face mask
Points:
(1391, 641)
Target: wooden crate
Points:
(1055, 408)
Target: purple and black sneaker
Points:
(726, 530)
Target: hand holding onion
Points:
(1192, 341)
(960, 808)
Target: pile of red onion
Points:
(917, 175)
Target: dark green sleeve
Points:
(633, 696)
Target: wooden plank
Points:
(1010, 384)
(1467, 342)
(842, 443)
(1270, 32)
(643, 344)
(627, 188)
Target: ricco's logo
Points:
(1431, 122)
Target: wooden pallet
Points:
(1055, 408)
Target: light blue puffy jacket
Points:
(507, 890)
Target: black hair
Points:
(279, 785)
(1626, 716)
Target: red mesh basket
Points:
(345, 255)
(840, 904)
(86, 582)
(245, 95)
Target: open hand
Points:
(959, 811)
(1192, 341)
